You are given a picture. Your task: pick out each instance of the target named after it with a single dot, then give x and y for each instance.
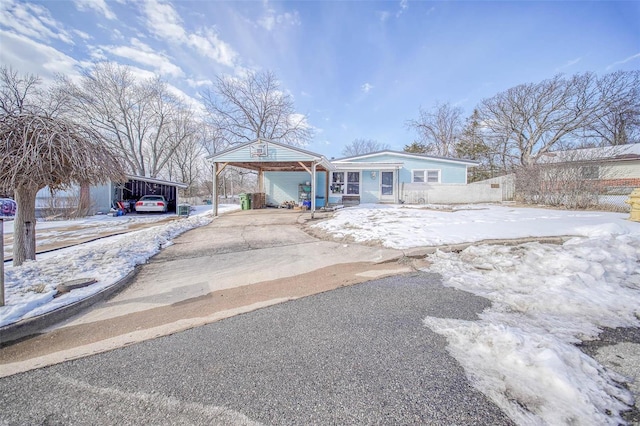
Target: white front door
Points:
(387, 187)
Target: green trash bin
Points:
(245, 201)
(184, 209)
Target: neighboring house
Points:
(104, 196)
(611, 166)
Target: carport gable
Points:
(269, 156)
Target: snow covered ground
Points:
(546, 298)
(30, 288)
(520, 353)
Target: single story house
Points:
(381, 177)
(105, 195)
(290, 174)
(612, 166)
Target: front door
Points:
(387, 187)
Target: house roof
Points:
(606, 153)
(296, 155)
(369, 165)
(407, 155)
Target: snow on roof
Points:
(615, 152)
(406, 154)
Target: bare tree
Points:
(439, 129)
(140, 119)
(363, 146)
(187, 164)
(531, 119)
(618, 119)
(255, 107)
(40, 149)
(575, 179)
(15, 90)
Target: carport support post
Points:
(313, 188)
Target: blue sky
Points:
(357, 69)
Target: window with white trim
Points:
(345, 183)
(426, 176)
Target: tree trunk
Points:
(24, 235)
(84, 203)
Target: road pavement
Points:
(356, 355)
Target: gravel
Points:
(356, 355)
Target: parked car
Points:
(152, 203)
(7, 207)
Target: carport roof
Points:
(267, 155)
(157, 181)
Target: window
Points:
(337, 182)
(429, 176)
(352, 183)
(386, 183)
(590, 172)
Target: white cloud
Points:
(366, 88)
(99, 6)
(271, 19)
(404, 4)
(32, 20)
(568, 64)
(624, 61)
(29, 56)
(143, 54)
(199, 83)
(209, 45)
(82, 35)
(384, 16)
(164, 22)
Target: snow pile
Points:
(546, 298)
(403, 227)
(30, 288)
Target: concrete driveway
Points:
(240, 262)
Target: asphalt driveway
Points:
(356, 355)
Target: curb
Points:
(30, 326)
(419, 252)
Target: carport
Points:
(262, 156)
(138, 186)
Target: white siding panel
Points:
(274, 153)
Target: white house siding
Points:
(622, 170)
(274, 153)
(101, 197)
(283, 186)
